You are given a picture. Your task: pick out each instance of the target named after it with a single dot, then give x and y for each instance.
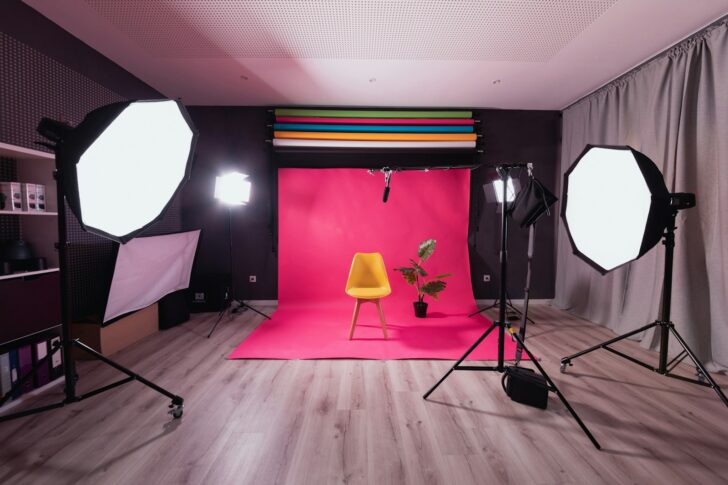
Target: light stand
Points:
(503, 200)
(666, 327)
(501, 324)
(232, 189)
(68, 343)
(526, 293)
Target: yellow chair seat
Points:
(368, 283)
(368, 293)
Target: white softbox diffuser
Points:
(148, 268)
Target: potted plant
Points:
(416, 276)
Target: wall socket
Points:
(486, 278)
(252, 278)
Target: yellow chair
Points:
(368, 283)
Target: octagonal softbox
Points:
(615, 205)
(124, 163)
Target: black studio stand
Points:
(665, 326)
(231, 303)
(68, 343)
(502, 324)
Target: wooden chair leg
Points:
(381, 318)
(353, 320)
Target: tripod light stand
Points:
(644, 214)
(144, 146)
(501, 325)
(494, 192)
(232, 189)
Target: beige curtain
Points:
(675, 110)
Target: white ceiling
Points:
(517, 54)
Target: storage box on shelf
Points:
(36, 227)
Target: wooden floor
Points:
(353, 421)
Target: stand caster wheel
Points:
(176, 410)
(700, 375)
(563, 367)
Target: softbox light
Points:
(148, 268)
(124, 163)
(615, 205)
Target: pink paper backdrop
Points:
(328, 215)
(325, 216)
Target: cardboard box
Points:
(13, 196)
(40, 197)
(115, 336)
(29, 197)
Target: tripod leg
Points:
(465, 355)
(495, 303)
(558, 393)
(176, 400)
(714, 385)
(567, 360)
(219, 317)
(245, 305)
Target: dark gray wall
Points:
(514, 137)
(45, 71)
(234, 138)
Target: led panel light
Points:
(510, 190)
(233, 188)
(615, 205)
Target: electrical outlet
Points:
(252, 278)
(486, 278)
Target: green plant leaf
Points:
(426, 249)
(410, 276)
(433, 287)
(405, 270)
(418, 268)
(441, 276)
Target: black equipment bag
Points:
(525, 386)
(532, 202)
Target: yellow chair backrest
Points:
(368, 271)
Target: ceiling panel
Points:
(504, 30)
(514, 54)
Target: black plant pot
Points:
(420, 309)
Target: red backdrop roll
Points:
(325, 216)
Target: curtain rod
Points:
(659, 55)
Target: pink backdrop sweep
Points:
(325, 216)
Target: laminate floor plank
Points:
(365, 422)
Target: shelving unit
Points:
(27, 213)
(28, 273)
(39, 228)
(30, 301)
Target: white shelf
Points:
(28, 273)
(12, 151)
(28, 213)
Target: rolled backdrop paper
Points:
(311, 135)
(372, 144)
(376, 121)
(372, 128)
(342, 113)
(148, 268)
(324, 217)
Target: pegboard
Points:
(462, 30)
